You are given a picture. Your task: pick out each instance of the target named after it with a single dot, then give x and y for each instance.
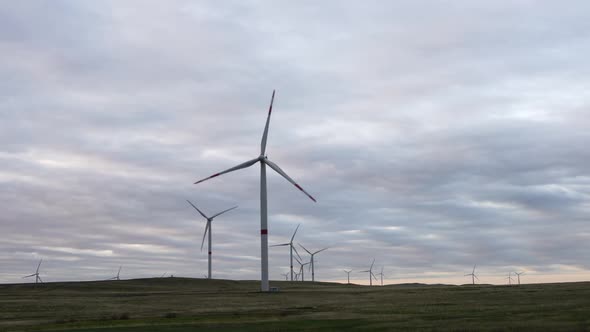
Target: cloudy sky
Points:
(435, 135)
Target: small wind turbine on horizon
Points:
(518, 275)
(36, 274)
(264, 161)
(348, 276)
(473, 276)
(117, 276)
(286, 275)
(381, 274)
(208, 230)
(509, 278)
(371, 275)
(312, 261)
(301, 269)
(291, 248)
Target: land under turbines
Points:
(183, 304)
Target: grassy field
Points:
(178, 304)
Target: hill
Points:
(183, 304)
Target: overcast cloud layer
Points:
(435, 135)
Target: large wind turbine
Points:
(473, 276)
(291, 247)
(208, 228)
(371, 275)
(36, 274)
(312, 255)
(518, 275)
(263, 160)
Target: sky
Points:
(435, 135)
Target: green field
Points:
(179, 304)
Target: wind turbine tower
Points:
(264, 161)
(208, 229)
(518, 275)
(348, 276)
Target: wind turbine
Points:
(36, 274)
(291, 248)
(208, 229)
(348, 276)
(263, 160)
(312, 255)
(117, 277)
(518, 275)
(381, 274)
(301, 269)
(509, 278)
(473, 276)
(371, 275)
(286, 275)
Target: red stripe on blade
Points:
(264, 231)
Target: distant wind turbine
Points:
(371, 275)
(312, 261)
(301, 269)
(509, 278)
(264, 161)
(381, 274)
(117, 276)
(291, 248)
(348, 276)
(473, 276)
(286, 275)
(36, 274)
(518, 275)
(208, 229)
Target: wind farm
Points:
(424, 140)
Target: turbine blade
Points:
(280, 245)
(39, 265)
(372, 265)
(296, 252)
(235, 168)
(29, 276)
(473, 269)
(265, 133)
(196, 208)
(40, 279)
(304, 248)
(292, 237)
(205, 234)
(476, 277)
(283, 174)
(224, 211)
(364, 271)
(317, 252)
